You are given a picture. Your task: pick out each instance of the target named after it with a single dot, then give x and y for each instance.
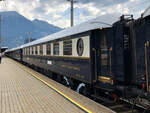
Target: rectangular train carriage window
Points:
(67, 47)
(48, 49)
(41, 49)
(27, 51)
(36, 50)
(24, 51)
(56, 48)
(32, 50)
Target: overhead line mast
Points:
(72, 11)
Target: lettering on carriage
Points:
(71, 67)
(28, 58)
(49, 62)
(79, 76)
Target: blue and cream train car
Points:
(81, 54)
(74, 53)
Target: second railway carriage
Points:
(81, 54)
(15, 53)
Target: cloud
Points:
(102, 2)
(57, 12)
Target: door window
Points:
(105, 65)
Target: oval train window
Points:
(80, 47)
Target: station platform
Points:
(22, 90)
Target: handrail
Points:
(146, 65)
(95, 54)
(110, 52)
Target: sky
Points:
(57, 12)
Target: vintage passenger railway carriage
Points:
(73, 53)
(96, 57)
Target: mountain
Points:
(45, 27)
(15, 28)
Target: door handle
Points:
(110, 58)
(95, 54)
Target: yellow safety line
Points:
(73, 101)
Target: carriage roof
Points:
(146, 12)
(99, 22)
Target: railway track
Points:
(124, 106)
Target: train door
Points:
(102, 57)
(105, 59)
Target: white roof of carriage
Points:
(99, 22)
(13, 49)
(146, 12)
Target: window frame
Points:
(41, 49)
(67, 47)
(32, 50)
(56, 46)
(36, 50)
(48, 48)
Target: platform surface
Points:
(20, 92)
